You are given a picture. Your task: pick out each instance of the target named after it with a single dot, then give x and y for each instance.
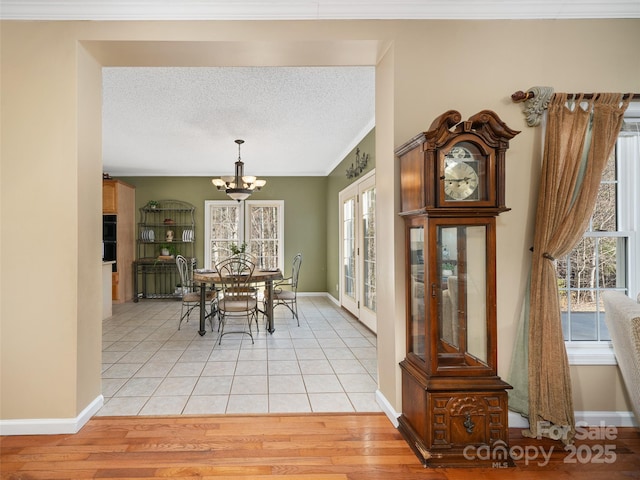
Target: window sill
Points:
(590, 353)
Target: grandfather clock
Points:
(454, 405)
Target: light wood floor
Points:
(286, 447)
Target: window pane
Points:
(586, 322)
(369, 234)
(609, 173)
(604, 213)
(223, 231)
(263, 235)
(582, 264)
(608, 271)
(349, 248)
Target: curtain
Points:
(579, 138)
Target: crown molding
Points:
(316, 9)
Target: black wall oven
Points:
(109, 236)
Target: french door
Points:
(358, 250)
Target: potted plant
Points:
(153, 204)
(235, 249)
(167, 249)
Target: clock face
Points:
(459, 152)
(460, 179)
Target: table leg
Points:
(203, 303)
(269, 285)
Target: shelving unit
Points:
(168, 225)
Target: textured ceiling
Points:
(183, 121)
(295, 121)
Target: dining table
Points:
(211, 277)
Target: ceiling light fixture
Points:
(240, 186)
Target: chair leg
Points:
(255, 316)
(221, 321)
(293, 308)
(212, 313)
(181, 316)
(249, 320)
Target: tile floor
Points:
(327, 364)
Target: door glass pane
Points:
(416, 286)
(349, 248)
(369, 253)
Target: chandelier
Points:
(239, 186)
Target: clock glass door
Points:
(461, 280)
(416, 333)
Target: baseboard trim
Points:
(517, 421)
(333, 299)
(386, 407)
(598, 418)
(327, 295)
(51, 426)
(593, 418)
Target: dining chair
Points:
(237, 295)
(252, 289)
(191, 293)
(287, 296)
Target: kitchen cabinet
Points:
(118, 200)
(109, 196)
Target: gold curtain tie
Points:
(548, 256)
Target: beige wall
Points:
(89, 230)
(303, 233)
(50, 266)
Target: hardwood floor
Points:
(285, 447)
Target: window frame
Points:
(279, 204)
(208, 204)
(243, 228)
(600, 352)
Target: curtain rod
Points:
(521, 96)
(536, 100)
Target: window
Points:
(265, 232)
(607, 256)
(259, 224)
(223, 220)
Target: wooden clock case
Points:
(454, 405)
